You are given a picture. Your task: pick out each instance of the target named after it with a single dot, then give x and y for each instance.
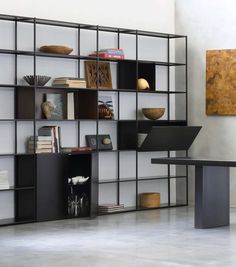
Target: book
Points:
(54, 132)
(41, 142)
(76, 149)
(70, 106)
(31, 146)
(41, 138)
(56, 136)
(111, 51)
(105, 55)
(109, 208)
(82, 86)
(57, 102)
(69, 82)
(41, 150)
(69, 78)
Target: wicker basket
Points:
(149, 200)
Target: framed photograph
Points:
(104, 80)
(57, 102)
(104, 142)
(105, 107)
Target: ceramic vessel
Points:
(40, 80)
(143, 84)
(153, 113)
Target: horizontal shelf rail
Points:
(80, 57)
(123, 180)
(75, 25)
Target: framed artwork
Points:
(221, 82)
(104, 141)
(56, 101)
(104, 75)
(105, 107)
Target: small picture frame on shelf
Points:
(104, 142)
(105, 107)
(98, 79)
(52, 108)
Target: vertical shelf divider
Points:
(34, 134)
(78, 75)
(15, 116)
(168, 110)
(117, 129)
(186, 103)
(97, 94)
(136, 117)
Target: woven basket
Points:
(149, 200)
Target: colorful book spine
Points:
(105, 55)
(76, 149)
(111, 51)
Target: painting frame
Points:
(91, 141)
(221, 82)
(104, 70)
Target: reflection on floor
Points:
(149, 238)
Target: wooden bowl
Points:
(149, 200)
(153, 113)
(56, 49)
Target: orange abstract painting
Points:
(221, 82)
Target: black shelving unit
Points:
(27, 195)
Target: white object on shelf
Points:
(4, 181)
(70, 106)
(79, 179)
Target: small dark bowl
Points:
(41, 80)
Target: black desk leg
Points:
(211, 196)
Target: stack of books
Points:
(110, 208)
(53, 132)
(4, 181)
(113, 53)
(42, 144)
(69, 82)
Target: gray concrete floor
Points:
(150, 238)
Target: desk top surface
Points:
(194, 161)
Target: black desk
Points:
(211, 189)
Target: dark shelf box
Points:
(127, 74)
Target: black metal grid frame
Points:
(79, 57)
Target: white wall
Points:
(209, 25)
(156, 15)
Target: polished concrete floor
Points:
(150, 238)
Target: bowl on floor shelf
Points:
(41, 80)
(153, 113)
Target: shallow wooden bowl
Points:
(56, 49)
(153, 113)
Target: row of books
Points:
(69, 82)
(110, 208)
(116, 53)
(4, 181)
(47, 141)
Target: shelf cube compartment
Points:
(127, 74)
